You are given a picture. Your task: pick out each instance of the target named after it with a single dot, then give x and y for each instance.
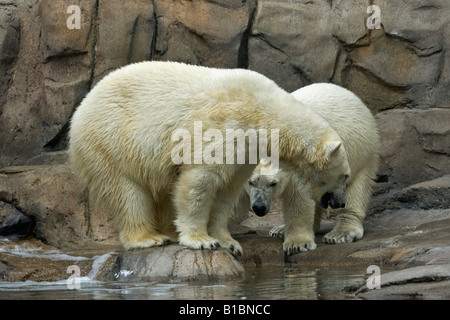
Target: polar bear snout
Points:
(329, 198)
(260, 209)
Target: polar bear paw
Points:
(277, 231)
(338, 236)
(144, 241)
(297, 246)
(199, 242)
(232, 245)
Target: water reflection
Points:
(260, 282)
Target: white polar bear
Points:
(122, 147)
(351, 119)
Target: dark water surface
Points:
(265, 282)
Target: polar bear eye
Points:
(273, 184)
(251, 183)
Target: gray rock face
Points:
(428, 194)
(290, 39)
(401, 71)
(424, 282)
(64, 215)
(209, 33)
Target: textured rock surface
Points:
(209, 33)
(401, 71)
(65, 218)
(290, 39)
(424, 282)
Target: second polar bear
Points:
(356, 126)
(126, 133)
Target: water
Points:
(260, 282)
(31, 251)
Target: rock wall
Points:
(401, 71)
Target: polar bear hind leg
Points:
(166, 217)
(134, 212)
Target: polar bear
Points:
(261, 190)
(125, 134)
(265, 187)
(351, 119)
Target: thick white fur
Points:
(120, 145)
(351, 119)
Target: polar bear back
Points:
(348, 116)
(126, 121)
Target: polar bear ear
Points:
(330, 148)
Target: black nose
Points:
(326, 199)
(259, 209)
(329, 199)
(335, 204)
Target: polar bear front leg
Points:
(348, 228)
(229, 199)
(193, 196)
(278, 231)
(349, 220)
(218, 228)
(299, 221)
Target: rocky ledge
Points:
(401, 72)
(407, 230)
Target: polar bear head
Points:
(263, 188)
(328, 182)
